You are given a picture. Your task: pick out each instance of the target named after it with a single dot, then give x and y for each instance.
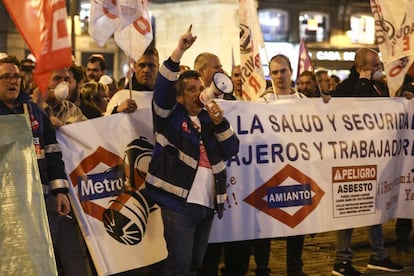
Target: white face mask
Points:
(61, 91)
(377, 75)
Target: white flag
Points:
(251, 41)
(136, 36)
(104, 20)
(393, 25)
(128, 20)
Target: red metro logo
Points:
(287, 188)
(112, 196)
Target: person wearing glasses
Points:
(66, 242)
(143, 80)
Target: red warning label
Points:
(354, 173)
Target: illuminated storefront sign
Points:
(333, 55)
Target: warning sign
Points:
(354, 190)
(357, 173)
(302, 192)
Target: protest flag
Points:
(305, 62)
(129, 22)
(104, 20)
(393, 22)
(251, 42)
(43, 27)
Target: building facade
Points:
(332, 30)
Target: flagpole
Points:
(72, 20)
(233, 62)
(317, 83)
(130, 74)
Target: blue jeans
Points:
(375, 238)
(186, 235)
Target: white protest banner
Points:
(122, 230)
(308, 167)
(303, 166)
(26, 244)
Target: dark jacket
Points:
(353, 86)
(177, 146)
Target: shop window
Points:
(314, 26)
(362, 29)
(274, 25)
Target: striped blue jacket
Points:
(177, 146)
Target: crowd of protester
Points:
(81, 93)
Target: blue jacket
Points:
(49, 156)
(177, 146)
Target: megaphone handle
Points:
(210, 104)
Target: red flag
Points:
(305, 62)
(43, 27)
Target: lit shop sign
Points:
(334, 55)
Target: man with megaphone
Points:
(218, 85)
(187, 172)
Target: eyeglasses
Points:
(6, 78)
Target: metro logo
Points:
(106, 184)
(100, 155)
(297, 194)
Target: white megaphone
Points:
(221, 84)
